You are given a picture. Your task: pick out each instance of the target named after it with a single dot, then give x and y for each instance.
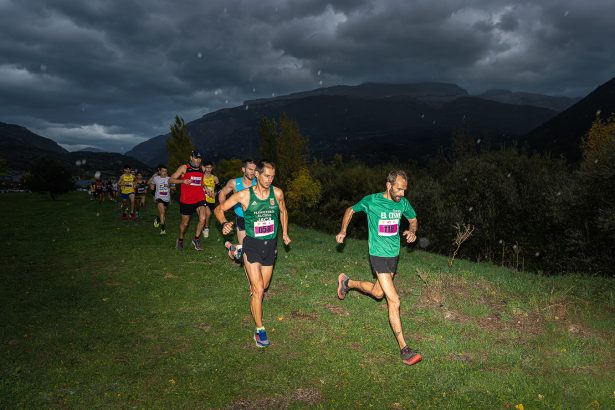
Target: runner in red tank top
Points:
(191, 197)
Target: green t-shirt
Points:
(262, 216)
(383, 216)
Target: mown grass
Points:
(102, 313)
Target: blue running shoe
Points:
(260, 337)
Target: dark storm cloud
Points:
(113, 73)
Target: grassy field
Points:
(99, 313)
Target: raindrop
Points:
(97, 213)
(78, 162)
(253, 90)
(83, 162)
(478, 141)
(273, 94)
(82, 107)
(470, 208)
(465, 179)
(423, 242)
(226, 101)
(422, 116)
(318, 73)
(514, 246)
(247, 107)
(500, 241)
(276, 10)
(434, 121)
(559, 193)
(199, 55)
(43, 67)
(218, 92)
(566, 13)
(537, 254)
(598, 112)
(508, 175)
(595, 161)
(320, 82)
(67, 229)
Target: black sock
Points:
(162, 227)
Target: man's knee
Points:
(378, 293)
(258, 289)
(394, 302)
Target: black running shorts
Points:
(241, 223)
(189, 209)
(160, 201)
(381, 264)
(260, 251)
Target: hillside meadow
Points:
(100, 313)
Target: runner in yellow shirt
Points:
(127, 192)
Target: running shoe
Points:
(197, 244)
(260, 337)
(206, 233)
(232, 250)
(409, 356)
(342, 286)
(179, 244)
(156, 223)
(163, 232)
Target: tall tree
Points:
(283, 143)
(268, 130)
(179, 144)
(49, 176)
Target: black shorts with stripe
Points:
(260, 251)
(381, 264)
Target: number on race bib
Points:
(263, 228)
(388, 227)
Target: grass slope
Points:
(102, 313)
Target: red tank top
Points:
(193, 192)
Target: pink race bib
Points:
(388, 227)
(264, 228)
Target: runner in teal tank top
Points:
(264, 208)
(384, 211)
(233, 186)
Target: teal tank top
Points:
(240, 187)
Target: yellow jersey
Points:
(128, 184)
(211, 184)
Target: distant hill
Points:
(91, 149)
(532, 99)
(372, 122)
(21, 148)
(20, 136)
(562, 135)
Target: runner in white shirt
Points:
(162, 196)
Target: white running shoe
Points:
(206, 233)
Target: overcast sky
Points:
(113, 73)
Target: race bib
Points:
(195, 181)
(264, 228)
(163, 193)
(388, 227)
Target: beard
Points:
(394, 197)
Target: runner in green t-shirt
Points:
(263, 208)
(384, 211)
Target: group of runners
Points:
(260, 214)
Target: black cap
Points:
(196, 154)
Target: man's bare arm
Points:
(345, 221)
